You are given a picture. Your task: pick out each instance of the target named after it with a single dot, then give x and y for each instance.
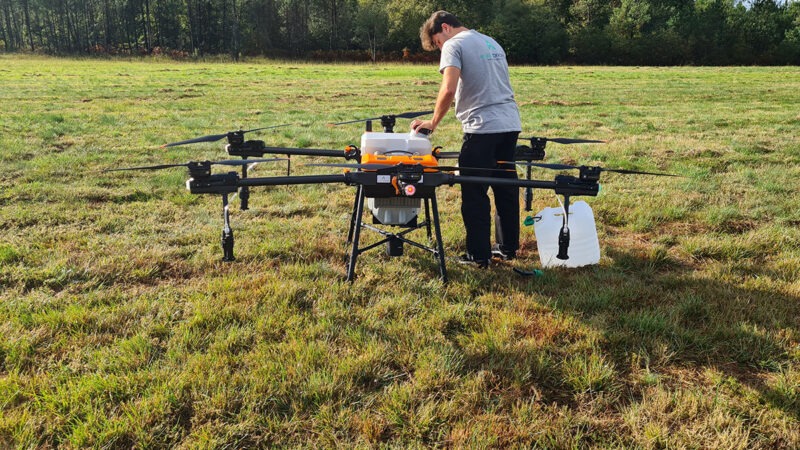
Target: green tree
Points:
(372, 26)
(708, 32)
(590, 13)
(629, 19)
(331, 23)
(764, 27)
(528, 32)
(789, 49)
(405, 18)
(262, 32)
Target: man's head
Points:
(438, 29)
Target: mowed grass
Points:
(120, 326)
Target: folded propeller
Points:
(405, 115)
(231, 135)
(584, 168)
(228, 162)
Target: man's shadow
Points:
(661, 310)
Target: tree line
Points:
(646, 32)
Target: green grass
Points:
(121, 327)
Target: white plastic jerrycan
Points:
(584, 247)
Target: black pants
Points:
(483, 151)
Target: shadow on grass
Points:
(667, 314)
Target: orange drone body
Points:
(428, 161)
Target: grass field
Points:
(121, 327)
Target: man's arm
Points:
(447, 92)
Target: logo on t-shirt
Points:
(495, 54)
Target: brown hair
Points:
(434, 26)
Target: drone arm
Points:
(302, 179)
(303, 151)
(535, 184)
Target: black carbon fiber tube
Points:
(303, 151)
(300, 179)
(504, 182)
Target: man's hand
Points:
(416, 124)
(447, 92)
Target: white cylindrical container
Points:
(394, 210)
(584, 247)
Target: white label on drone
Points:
(384, 179)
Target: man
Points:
(475, 75)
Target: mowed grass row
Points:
(120, 326)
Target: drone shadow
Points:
(658, 309)
(664, 312)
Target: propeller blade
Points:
(227, 162)
(405, 115)
(411, 115)
(216, 137)
(354, 121)
(156, 167)
(543, 165)
(244, 162)
(565, 140)
(575, 141)
(267, 128)
(603, 169)
(209, 138)
(637, 172)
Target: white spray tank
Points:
(395, 210)
(584, 247)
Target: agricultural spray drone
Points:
(395, 176)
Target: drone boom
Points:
(305, 152)
(563, 140)
(586, 169)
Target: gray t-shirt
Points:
(484, 98)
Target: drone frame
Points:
(400, 177)
(403, 179)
